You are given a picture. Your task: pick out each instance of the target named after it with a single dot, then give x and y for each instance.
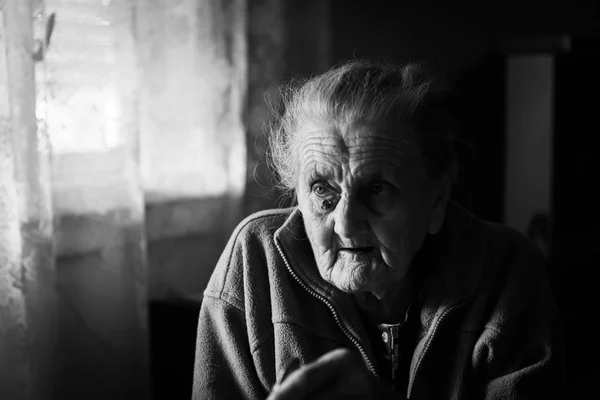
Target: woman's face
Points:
(367, 205)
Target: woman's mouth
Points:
(365, 249)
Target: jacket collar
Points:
(292, 238)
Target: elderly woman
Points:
(376, 285)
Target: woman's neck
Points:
(391, 308)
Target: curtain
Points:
(73, 297)
(123, 166)
(27, 267)
(92, 85)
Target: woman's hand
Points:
(338, 374)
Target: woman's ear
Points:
(440, 192)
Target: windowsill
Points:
(98, 204)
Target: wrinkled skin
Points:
(367, 204)
(381, 205)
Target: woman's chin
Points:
(353, 278)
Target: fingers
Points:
(334, 374)
(319, 373)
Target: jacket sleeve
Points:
(520, 367)
(520, 353)
(223, 367)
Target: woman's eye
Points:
(377, 188)
(321, 190)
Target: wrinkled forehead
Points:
(375, 149)
(393, 142)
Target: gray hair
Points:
(368, 94)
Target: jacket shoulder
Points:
(507, 244)
(499, 237)
(247, 256)
(261, 222)
(518, 281)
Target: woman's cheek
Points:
(390, 231)
(314, 229)
(322, 238)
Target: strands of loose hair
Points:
(361, 93)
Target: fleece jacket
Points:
(488, 325)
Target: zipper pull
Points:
(390, 335)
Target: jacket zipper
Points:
(393, 335)
(331, 308)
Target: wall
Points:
(193, 61)
(285, 39)
(529, 139)
(454, 35)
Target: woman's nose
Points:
(350, 218)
